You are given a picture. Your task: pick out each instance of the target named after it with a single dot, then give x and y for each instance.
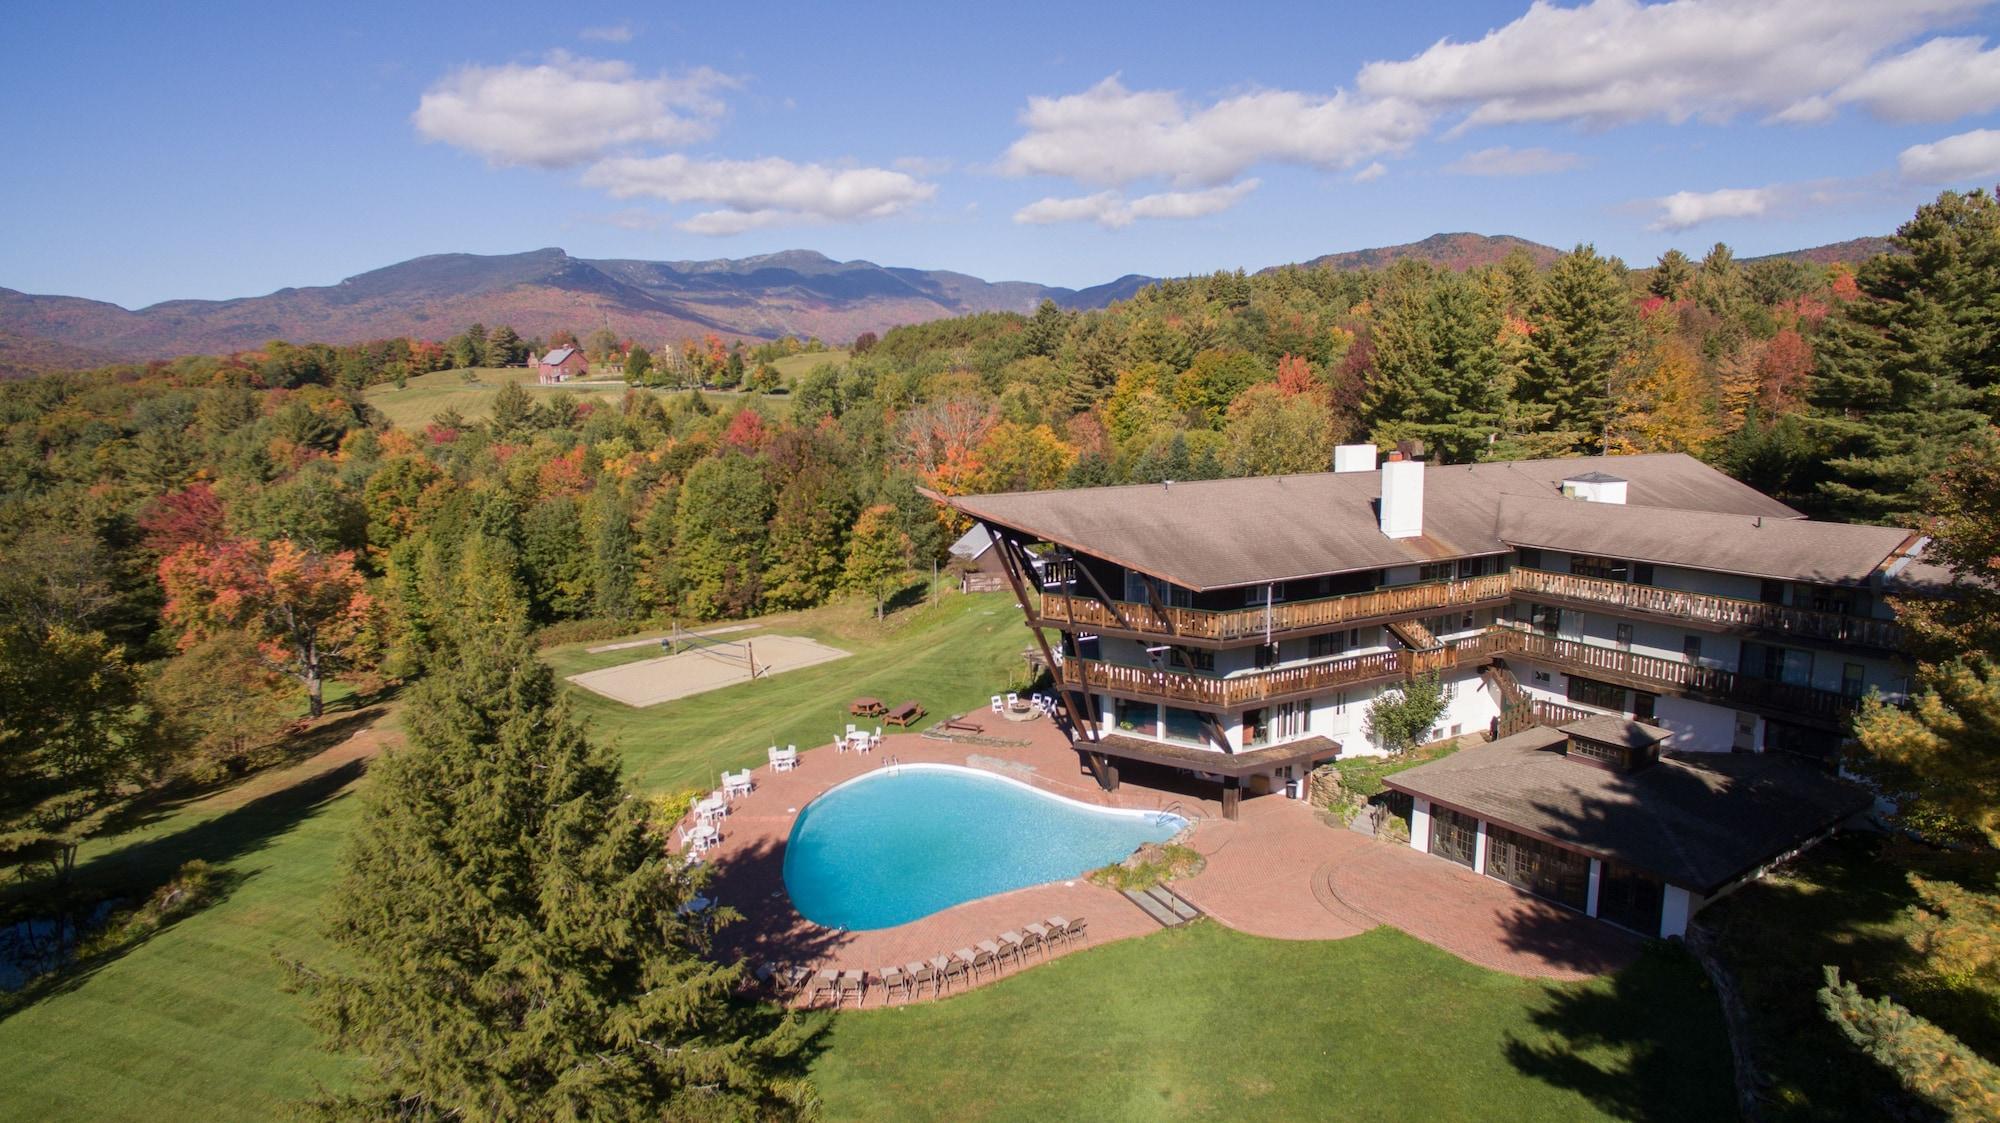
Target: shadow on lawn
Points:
(133, 872)
(1649, 1046)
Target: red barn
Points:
(561, 365)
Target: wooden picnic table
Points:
(865, 707)
(904, 714)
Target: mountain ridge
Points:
(541, 291)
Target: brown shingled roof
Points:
(1787, 549)
(1699, 821)
(1222, 533)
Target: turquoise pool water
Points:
(911, 840)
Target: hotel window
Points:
(1784, 664)
(1194, 659)
(1691, 648)
(1623, 637)
(1645, 706)
(1141, 718)
(1853, 680)
(1333, 643)
(1591, 692)
(1266, 655)
(1185, 725)
(1529, 557)
(1772, 592)
(1609, 569)
(1545, 619)
(1642, 573)
(1255, 596)
(1469, 568)
(1256, 731)
(1434, 571)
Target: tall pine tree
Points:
(1582, 326)
(1907, 373)
(1438, 375)
(514, 942)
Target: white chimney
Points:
(1354, 458)
(1402, 509)
(1595, 487)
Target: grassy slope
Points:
(794, 367)
(950, 658)
(428, 395)
(1206, 1023)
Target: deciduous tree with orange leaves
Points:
(309, 613)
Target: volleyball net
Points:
(738, 653)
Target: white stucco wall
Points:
(1420, 825)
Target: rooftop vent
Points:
(1354, 458)
(1402, 507)
(1617, 743)
(1595, 487)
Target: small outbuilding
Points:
(561, 365)
(977, 562)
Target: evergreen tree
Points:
(513, 944)
(1907, 372)
(504, 348)
(1930, 1062)
(1437, 375)
(720, 531)
(1671, 276)
(614, 567)
(638, 363)
(1047, 329)
(1718, 284)
(513, 410)
(1583, 325)
(556, 555)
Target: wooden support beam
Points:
(1104, 598)
(1013, 562)
(1232, 794)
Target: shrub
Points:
(1152, 864)
(1398, 720)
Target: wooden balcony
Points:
(1626, 668)
(1703, 610)
(1324, 614)
(1674, 676)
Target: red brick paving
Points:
(1277, 872)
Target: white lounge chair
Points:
(996, 703)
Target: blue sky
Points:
(223, 150)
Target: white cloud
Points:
(1112, 210)
(567, 110)
(1612, 62)
(1941, 80)
(613, 33)
(1955, 159)
(1684, 209)
(1111, 136)
(759, 193)
(1505, 161)
(1371, 173)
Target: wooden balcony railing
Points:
(1706, 609)
(1288, 616)
(1409, 601)
(1646, 672)
(1651, 672)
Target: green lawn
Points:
(193, 1023)
(428, 395)
(795, 367)
(1206, 1023)
(951, 658)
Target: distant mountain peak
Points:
(1457, 250)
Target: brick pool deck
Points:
(1278, 871)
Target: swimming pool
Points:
(907, 841)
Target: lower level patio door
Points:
(1540, 868)
(1454, 837)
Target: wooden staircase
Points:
(1517, 710)
(1414, 635)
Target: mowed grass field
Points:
(795, 367)
(1200, 1023)
(428, 395)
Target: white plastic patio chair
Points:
(996, 703)
(1012, 699)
